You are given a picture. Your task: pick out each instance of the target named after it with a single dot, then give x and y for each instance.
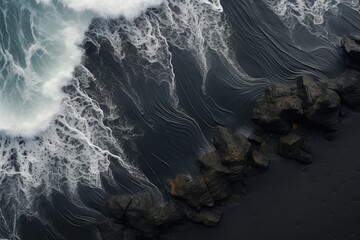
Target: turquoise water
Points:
(117, 96)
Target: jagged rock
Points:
(193, 190)
(304, 157)
(289, 145)
(139, 215)
(217, 183)
(351, 45)
(348, 87)
(255, 139)
(208, 217)
(117, 206)
(260, 160)
(279, 107)
(110, 231)
(232, 150)
(212, 161)
(167, 215)
(321, 105)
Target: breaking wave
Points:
(53, 128)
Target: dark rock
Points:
(348, 87)
(117, 206)
(139, 215)
(193, 190)
(212, 161)
(289, 145)
(351, 45)
(279, 107)
(321, 104)
(167, 215)
(232, 150)
(110, 231)
(218, 184)
(208, 217)
(254, 139)
(260, 160)
(304, 157)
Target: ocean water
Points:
(115, 97)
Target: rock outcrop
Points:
(351, 45)
(321, 105)
(348, 87)
(283, 112)
(279, 107)
(233, 150)
(289, 145)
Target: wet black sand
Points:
(292, 201)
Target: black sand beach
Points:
(293, 201)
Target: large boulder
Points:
(321, 105)
(207, 217)
(233, 150)
(211, 161)
(351, 45)
(260, 159)
(218, 184)
(193, 190)
(348, 87)
(279, 107)
(289, 145)
(167, 215)
(117, 206)
(139, 215)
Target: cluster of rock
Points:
(310, 103)
(282, 110)
(195, 198)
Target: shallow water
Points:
(131, 97)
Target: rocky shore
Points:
(284, 115)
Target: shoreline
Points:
(317, 201)
(287, 117)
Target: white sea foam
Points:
(308, 12)
(52, 139)
(110, 8)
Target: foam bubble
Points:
(111, 8)
(308, 12)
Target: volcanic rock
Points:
(255, 139)
(117, 206)
(208, 217)
(193, 190)
(289, 145)
(279, 107)
(260, 160)
(348, 87)
(211, 161)
(232, 150)
(167, 215)
(217, 184)
(321, 104)
(351, 45)
(139, 215)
